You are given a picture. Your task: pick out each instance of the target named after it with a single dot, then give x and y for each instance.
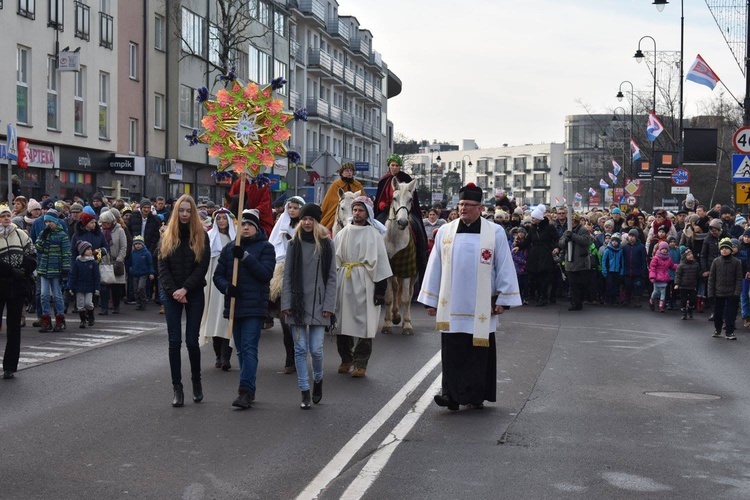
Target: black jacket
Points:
(150, 235)
(542, 239)
(180, 270)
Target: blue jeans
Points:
(304, 343)
(246, 333)
(660, 291)
(744, 299)
(52, 286)
(193, 314)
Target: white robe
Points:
(464, 283)
(213, 323)
(356, 312)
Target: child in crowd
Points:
(53, 251)
(85, 282)
(686, 282)
(674, 254)
(611, 269)
(142, 270)
(519, 261)
(658, 274)
(725, 286)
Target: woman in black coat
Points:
(541, 241)
(184, 255)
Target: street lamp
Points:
(639, 57)
(432, 167)
(632, 114)
(463, 167)
(660, 4)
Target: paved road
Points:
(573, 419)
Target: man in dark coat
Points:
(147, 225)
(541, 241)
(577, 262)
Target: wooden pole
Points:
(236, 267)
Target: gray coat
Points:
(580, 260)
(320, 291)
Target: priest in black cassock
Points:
(476, 253)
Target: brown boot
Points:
(358, 372)
(345, 367)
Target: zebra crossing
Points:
(74, 340)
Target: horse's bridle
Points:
(395, 212)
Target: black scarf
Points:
(295, 260)
(348, 181)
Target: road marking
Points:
(332, 470)
(382, 455)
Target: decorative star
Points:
(443, 302)
(483, 318)
(246, 129)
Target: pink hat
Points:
(500, 192)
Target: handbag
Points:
(107, 274)
(119, 268)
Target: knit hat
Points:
(521, 229)
(500, 213)
(609, 223)
(500, 192)
(89, 210)
(690, 201)
(616, 211)
(747, 232)
(76, 208)
(725, 243)
(86, 218)
(311, 210)
(82, 246)
(726, 209)
(740, 220)
(252, 216)
(145, 201)
(139, 239)
(51, 218)
(48, 203)
(518, 211)
(115, 213)
(107, 217)
(616, 236)
(683, 249)
(671, 239)
(53, 213)
(692, 219)
(538, 212)
(662, 245)
(716, 223)
(735, 242)
(33, 205)
(526, 220)
(713, 214)
(633, 232)
(210, 204)
(662, 228)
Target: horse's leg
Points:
(397, 290)
(406, 305)
(387, 324)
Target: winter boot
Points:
(661, 306)
(90, 317)
(317, 392)
(59, 323)
(179, 396)
(305, 404)
(197, 391)
(243, 399)
(684, 313)
(46, 323)
(690, 312)
(651, 304)
(82, 315)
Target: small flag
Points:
(565, 200)
(578, 196)
(592, 192)
(613, 177)
(700, 72)
(616, 166)
(654, 127)
(557, 201)
(603, 184)
(635, 150)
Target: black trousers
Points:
(687, 298)
(578, 281)
(469, 372)
(14, 311)
(288, 342)
(539, 283)
(359, 354)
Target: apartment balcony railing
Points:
(359, 45)
(349, 77)
(336, 27)
(541, 185)
(338, 69)
(314, 8)
(106, 30)
(542, 166)
(359, 83)
(295, 100)
(317, 107)
(376, 59)
(335, 114)
(295, 50)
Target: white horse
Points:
(344, 210)
(400, 243)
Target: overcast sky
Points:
(509, 71)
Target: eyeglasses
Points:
(462, 204)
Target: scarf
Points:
(295, 260)
(482, 299)
(662, 256)
(107, 232)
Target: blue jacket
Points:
(254, 277)
(53, 253)
(674, 254)
(84, 276)
(95, 237)
(634, 260)
(612, 260)
(142, 263)
(38, 226)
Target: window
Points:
(158, 32)
(259, 11)
(106, 29)
(190, 109)
(78, 111)
(214, 45)
(159, 111)
(259, 66)
(133, 61)
(27, 8)
(241, 62)
(104, 6)
(83, 21)
(279, 70)
(103, 105)
(23, 80)
(132, 136)
(192, 32)
(56, 18)
(52, 100)
(279, 23)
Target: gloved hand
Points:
(567, 235)
(232, 290)
(379, 300)
(238, 252)
(45, 232)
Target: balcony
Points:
(336, 114)
(317, 107)
(376, 59)
(336, 27)
(295, 100)
(106, 30)
(296, 51)
(360, 46)
(315, 9)
(540, 166)
(338, 69)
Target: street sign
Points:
(633, 187)
(361, 166)
(680, 190)
(742, 193)
(632, 200)
(740, 168)
(680, 176)
(12, 143)
(594, 200)
(741, 140)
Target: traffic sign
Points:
(362, 166)
(12, 143)
(742, 193)
(633, 187)
(632, 201)
(680, 189)
(680, 176)
(740, 168)
(741, 140)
